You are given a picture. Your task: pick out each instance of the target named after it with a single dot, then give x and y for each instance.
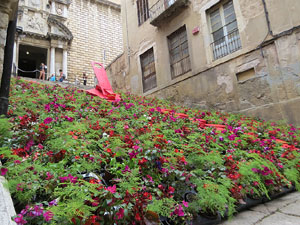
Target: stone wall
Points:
(260, 79)
(97, 31)
(116, 72)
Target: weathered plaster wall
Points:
(97, 32)
(273, 91)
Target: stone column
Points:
(53, 11)
(14, 65)
(52, 61)
(65, 62)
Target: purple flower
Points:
(70, 119)
(132, 154)
(127, 169)
(53, 202)
(47, 107)
(3, 171)
(255, 170)
(221, 138)
(48, 120)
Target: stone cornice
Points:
(109, 3)
(65, 2)
(34, 35)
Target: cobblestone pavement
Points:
(282, 211)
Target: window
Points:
(224, 30)
(142, 11)
(179, 52)
(148, 70)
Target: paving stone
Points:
(279, 203)
(279, 219)
(293, 209)
(245, 218)
(261, 208)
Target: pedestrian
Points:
(52, 78)
(42, 71)
(84, 79)
(61, 76)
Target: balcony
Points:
(165, 9)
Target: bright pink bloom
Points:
(48, 120)
(186, 204)
(112, 189)
(19, 220)
(48, 216)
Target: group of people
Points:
(43, 72)
(62, 77)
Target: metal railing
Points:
(159, 7)
(226, 45)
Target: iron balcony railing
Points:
(226, 45)
(159, 7)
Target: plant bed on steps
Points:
(71, 158)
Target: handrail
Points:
(226, 45)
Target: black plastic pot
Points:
(206, 219)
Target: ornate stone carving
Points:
(60, 31)
(59, 9)
(34, 23)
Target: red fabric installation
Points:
(103, 88)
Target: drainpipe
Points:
(7, 64)
(267, 18)
(127, 37)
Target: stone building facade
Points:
(239, 56)
(8, 8)
(67, 35)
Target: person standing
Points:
(61, 76)
(84, 79)
(42, 71)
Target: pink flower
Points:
(48, 216)
(269, 182)
(3, 171)
(112, 189)
(178, 211)
(120, 214)
(48, 120)
(17, 161)
(19, 220)
(186, 204)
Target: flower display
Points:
(71, 158)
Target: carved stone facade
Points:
(242, 57)
(67, 35)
